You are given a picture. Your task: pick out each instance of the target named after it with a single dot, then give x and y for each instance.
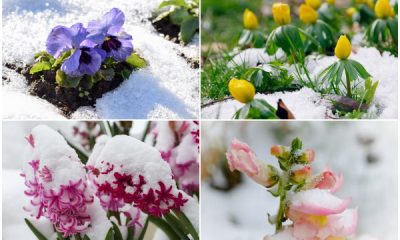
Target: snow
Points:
(167, 88)
(307, 104)
(241, 214)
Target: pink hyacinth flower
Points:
(242, 158)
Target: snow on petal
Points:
(317, 202)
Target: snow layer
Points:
(241, 214)
(307, 104)
(167, 88)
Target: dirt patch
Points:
(193, 63)
(168, 29)
(68, 100)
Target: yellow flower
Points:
(343, 48)
(313, 3)
(307, 14)
(281, 13)
(332, 2)
(250, 20)
(350, 11)
(383, 9)
(241, 90)
(370, 3)
(360, 1)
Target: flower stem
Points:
(348, 85)
(188, 225)
(281, 212)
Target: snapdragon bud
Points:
(299, 174)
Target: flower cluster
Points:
(178, 143)
(127, 171)
(57, 192)
(306, 200)
(84, 49)
(86, 133)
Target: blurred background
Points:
(234, 207)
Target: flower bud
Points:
(250, 20)
(300, 174)
(332, 2)
(371, 4)
(313, 3)
(242, 158)
(268, 175)
(242, 90)
(326, 180)
(343, 48)
(351, 11)
(281, 13)
(307, 14)
(278, 150)
(307, 156)
(383, 9)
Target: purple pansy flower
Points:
(84, 59)
(108, 33)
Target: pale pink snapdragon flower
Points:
(242, 158)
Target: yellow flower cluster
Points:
(343, 48)
(383, 9)
(242, 90)
(281, 13)
(250, 20)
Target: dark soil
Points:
(168, 29)
(193, 63)
(44, 85)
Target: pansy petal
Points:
(114, 19)
(93, 66)
(317, 202)
(71, 65)
(78, 33)
(59, 41)
(123, 52)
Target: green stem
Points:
(281, 212)
(163, 225)
(308, 76)
(348, 85)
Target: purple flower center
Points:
(111, 43)
(85, 56)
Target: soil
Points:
(193, 63)
(44, 85)
(168, 29)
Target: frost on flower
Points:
(125, 170)
(178, 143)
(56, 182)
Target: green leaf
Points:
(66, 81)
(245, 37)
(110, 234)
(39, 67)
(359, 69)
(136, 61)
(189, 26)
(117, 232)
(180, 3)
(296, 145)
(62, 58)
(178, 16)
(244, 111)
(37, 233)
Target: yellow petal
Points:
(281, 13)
(313, 3)
(343, 48)
(331, 2)
(307, 14)
(350, 11)
(250, 20)
(383, 9)
(242, 90)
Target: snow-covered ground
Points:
(241, 214)
(167, 88)
(307, 104)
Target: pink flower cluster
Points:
(85, 132)
(178, 143)
(65, 205)
(126, 189)
(136, 175)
